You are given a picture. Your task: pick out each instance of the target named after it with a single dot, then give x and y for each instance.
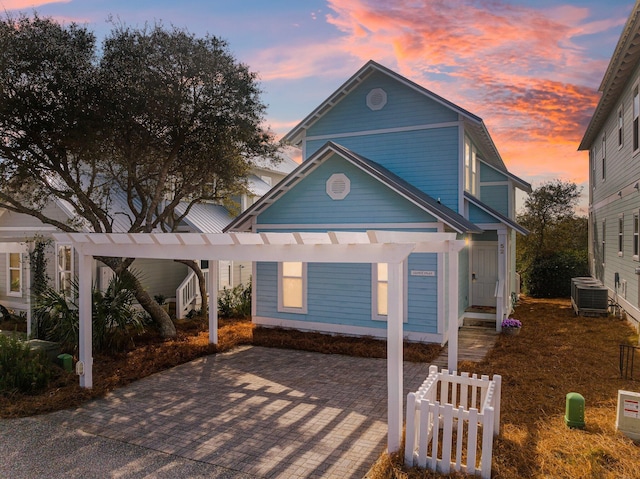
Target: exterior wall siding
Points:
(497, 197)
(428, 159)
(309, 203)
(405, 107)
(613, 196)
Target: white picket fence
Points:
(453, 411)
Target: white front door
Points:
(484, 273)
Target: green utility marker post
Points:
(574, 415)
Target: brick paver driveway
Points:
(266, 412)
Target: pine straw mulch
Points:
(555, 353)
(152, 354)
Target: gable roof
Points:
(621, 66)
(473, 123)
(454, 220)
(496, 214)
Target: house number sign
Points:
(415, 272)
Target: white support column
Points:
(452, 279)
(501, 299)
(212, 288)
(85, 281)
(394, 355)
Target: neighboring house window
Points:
(15, 274)
(380, 287)
(470, 167)
(636, 236)
(620, 127)
(620, 235)
(604, 232)
(65, 268)
(604, 157)
(292, 279)
(636, 112)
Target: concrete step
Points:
(489, 323)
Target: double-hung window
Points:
(620, 235)
(65, 269)
(604, 156)
(636, 236)
(604, 232)
(380, 288)
(620, 127)
(636, 123)
(292, 287)
(14, 266)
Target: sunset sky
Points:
(530, 69)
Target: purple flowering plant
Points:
(511, 323)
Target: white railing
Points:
(188, 294)
(453, 410)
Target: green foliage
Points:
(114, 320)
(557, 240)
(21, 369)
(235, 302)
(550, 276)
(38, 261)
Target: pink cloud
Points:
(27, 4)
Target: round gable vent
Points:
(376, 99)
(338, 186)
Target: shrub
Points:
(21, 369)
(550, 276)
(114, 320)
(235, 302)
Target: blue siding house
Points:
(384, 153)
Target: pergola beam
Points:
(334, 247)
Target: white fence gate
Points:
(448, 411)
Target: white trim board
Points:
(349, 226)
(449, 124)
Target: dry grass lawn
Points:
(555, 353)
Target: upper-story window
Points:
(636, 235)
(604, 156)
(636, 113)
(470, 167)
(620, 127)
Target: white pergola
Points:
(333, 247)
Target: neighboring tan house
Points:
(613, 141)
(384, 153)
(170, 279)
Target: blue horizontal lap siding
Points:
(428, 159)
(476, 215)
(340, 294)
(488, 174)
(368, 201)
(405, 107)
(497, 197)
(423, 294)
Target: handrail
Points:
(188, 293)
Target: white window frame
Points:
(620, 127)
(470, 167)
(604, 156)
(636, 236)
(10, 292)
(60, 271)
(375, 316)
(288, 309)
(636, 118)
(621, 235)
(604, 239)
